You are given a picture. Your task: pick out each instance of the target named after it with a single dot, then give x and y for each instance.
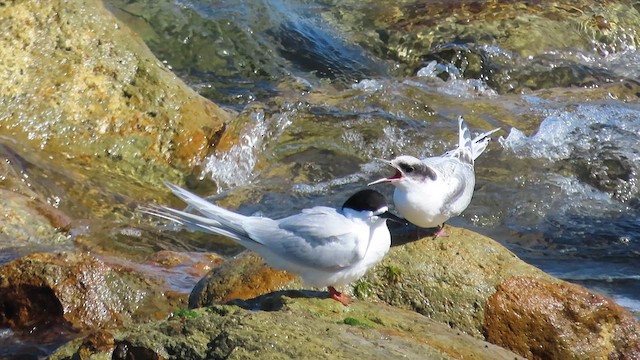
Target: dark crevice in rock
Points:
(28, 305)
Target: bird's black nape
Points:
(369, 200)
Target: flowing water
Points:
(324, 90)
(318, 105)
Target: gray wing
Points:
(320, 237)
(456, 174)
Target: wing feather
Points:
(320, 237)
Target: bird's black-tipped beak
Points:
(393, 217)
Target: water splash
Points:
(368, 85)
(236, 166)
(597, 142)
(563, 133)
(456, 84)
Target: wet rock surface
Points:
(543, 320)
(81, 291)
(78, 83)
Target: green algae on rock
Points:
(452, 280)
(77, 83)
(300, 328)
(448, 279)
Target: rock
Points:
(25, 221)
(243, 277)
(544, 320)
(79, 290)
(91, 123)
(453, 280)
(294, 325)
(78, 83)
(448, 279)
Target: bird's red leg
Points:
(440, 232)
(336, 295)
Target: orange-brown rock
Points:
(96, 341)
(547, 320)
(80, 290)
(243, 277)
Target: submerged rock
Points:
(513, 45)
(25, 221)
(79, 290)
(289, 325)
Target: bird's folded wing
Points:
(319, 237)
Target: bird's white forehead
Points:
(406, 159)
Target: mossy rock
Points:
(298, 325)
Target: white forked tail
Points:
(215, 219)
(469, 149)
(480, 143)
(465, 144)
(227, 219)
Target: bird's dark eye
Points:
(407, 168)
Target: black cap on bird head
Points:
(369, 200)
(374, 201)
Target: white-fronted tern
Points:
(430, 191)
(325, 246)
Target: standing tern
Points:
(430, 191)
(325, 246)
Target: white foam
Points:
(631, 304)
(566, 133)
(368, 85)
(235, 167)
(429, 71)
(455, 85)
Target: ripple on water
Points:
(597, 142)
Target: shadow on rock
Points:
(275, 301)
